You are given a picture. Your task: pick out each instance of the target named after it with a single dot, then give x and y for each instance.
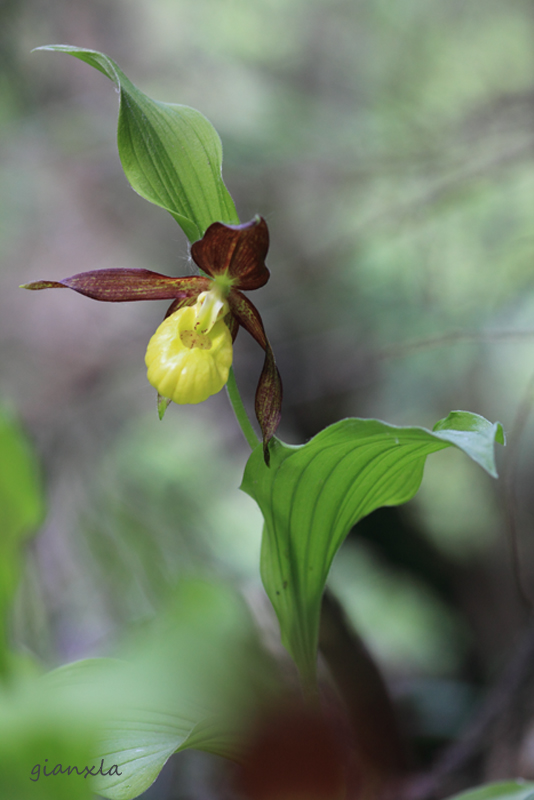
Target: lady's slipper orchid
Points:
(190, 354)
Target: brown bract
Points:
(235, 253)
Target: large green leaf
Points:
(171, 154)
(313, 494)
(21, 510)
(140, 728)
(188, 683)
(145, 722)
(510, 790)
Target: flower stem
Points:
(239, 411)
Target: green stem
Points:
(239, 411)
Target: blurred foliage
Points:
(154, 523)
(193, 677)
(421, 636)
(389, 146)
(512, 790)
(21, 496)
(32, 726)
(21, 512)
(457, 508)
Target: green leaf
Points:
(39, 732)
(313, 494)
(21, 510)
(509, 790)
(188, 683)
(144, 727)
(171, 154)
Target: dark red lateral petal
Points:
(237, 250)
(233, 325)
(268, 403)
(124, 285)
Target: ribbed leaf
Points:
(187, 685)
(171, 154)
(313, 494)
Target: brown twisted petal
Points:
(124, 285)
(268, 403)
(237, 250)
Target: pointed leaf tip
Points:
(163, 404)
(36, 285)
(473, 434)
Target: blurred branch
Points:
(520, 422)
(454, 337)
(489, 749)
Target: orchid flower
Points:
(190, 355)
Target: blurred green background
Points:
(390, 148)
